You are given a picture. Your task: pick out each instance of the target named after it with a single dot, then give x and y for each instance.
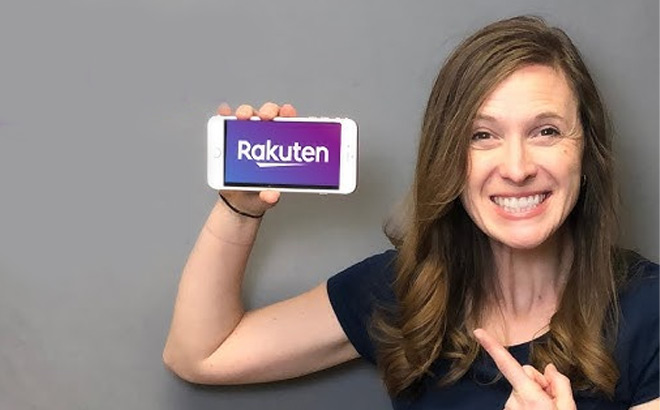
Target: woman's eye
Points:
(549, 132)
(481, 135)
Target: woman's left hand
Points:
(531, 389)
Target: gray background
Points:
(103, 108)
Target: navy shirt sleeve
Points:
(637, 345)
(356, 291)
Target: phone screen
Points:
(282, 154)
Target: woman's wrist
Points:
(228, 226)
(239, 211)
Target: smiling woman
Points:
(514, 219)
(510, 241)
(525, 158)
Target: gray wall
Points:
(103, 108)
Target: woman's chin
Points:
(521, 242)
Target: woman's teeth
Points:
(519, 205)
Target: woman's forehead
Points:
(530, 92)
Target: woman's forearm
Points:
(208, 305)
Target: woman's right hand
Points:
(255, 203)
(529, 388)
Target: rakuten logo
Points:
(274, 155)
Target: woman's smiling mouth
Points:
(519, 204)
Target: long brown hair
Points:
(445, 264)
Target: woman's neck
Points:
(528, 285)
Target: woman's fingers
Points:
(535, 375)
(560, 386)
(244, 112)
(269, 197)
(531, 389)
(513, 404)
(288, 110)
(269, 111)
(253, 202)
(224, 109)
(508, 365)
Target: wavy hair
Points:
(444, 267)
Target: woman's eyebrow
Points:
(545, 115)
(484, 117)
(550, 115)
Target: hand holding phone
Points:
(255, 202)
(291, 154)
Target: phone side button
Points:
(217, 152)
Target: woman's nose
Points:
(517, 162)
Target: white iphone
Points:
(288, 154)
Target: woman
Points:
(510, 241)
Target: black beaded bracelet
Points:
(238, 211)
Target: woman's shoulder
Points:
(371, 276)
(356, 291)
(640, 280)
(639, 294)
(636, 350)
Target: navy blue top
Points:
(354, 291)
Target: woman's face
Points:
(525, 158)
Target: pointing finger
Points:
(508, 365)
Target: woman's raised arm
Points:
(212, 340)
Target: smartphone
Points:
(288, 154)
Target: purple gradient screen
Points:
(269, 157)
